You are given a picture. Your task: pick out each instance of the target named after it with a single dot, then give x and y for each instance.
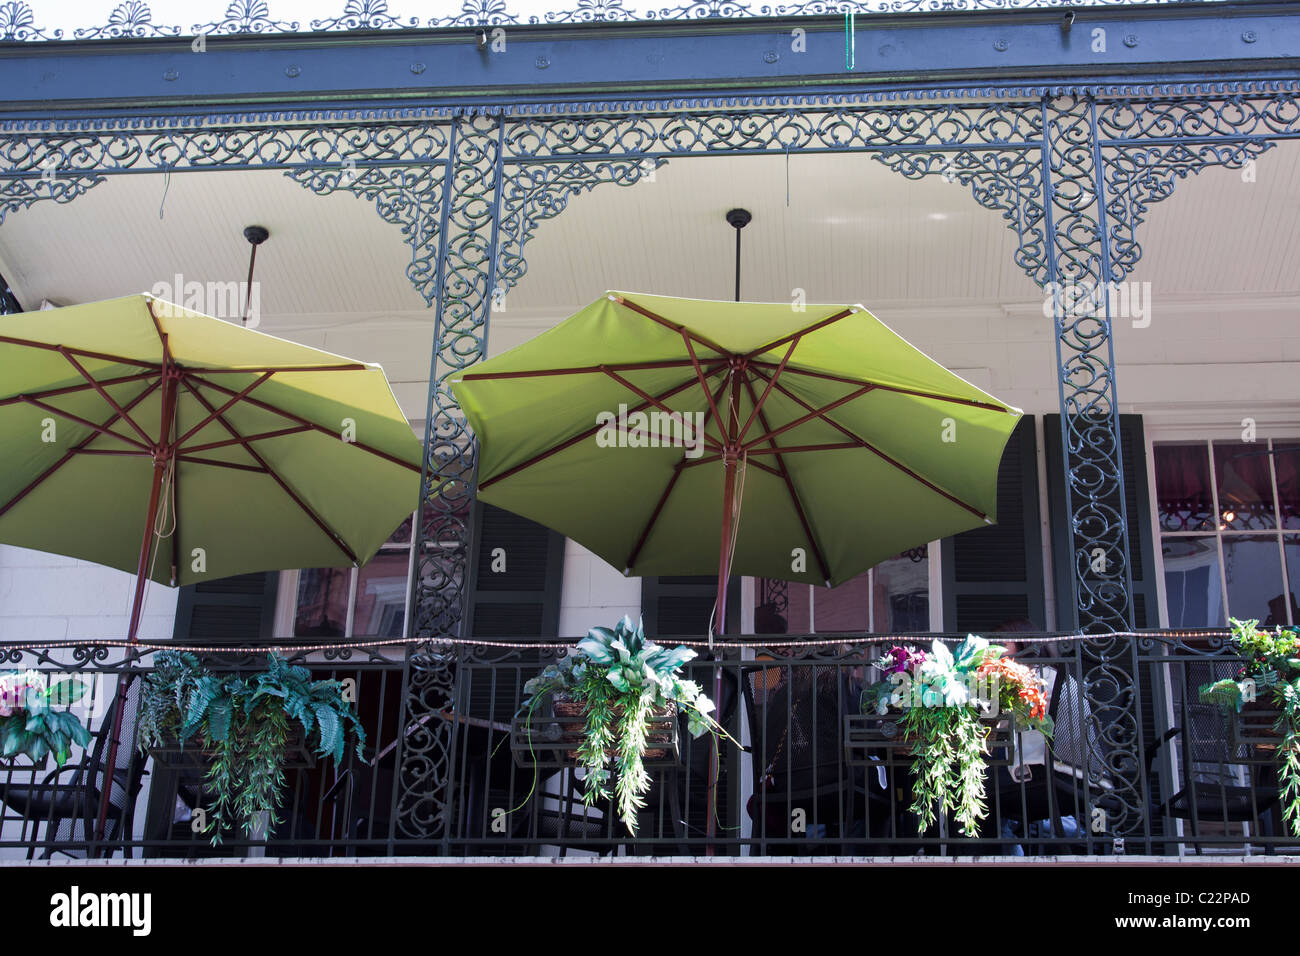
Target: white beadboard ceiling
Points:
(1222, 256)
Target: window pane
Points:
(1253, 569)
(1292, 545)
(1192, 591)
(902, 593)
(381, 596)
(1241, 472)
(1286, 460)
(1183, 487)
(322, 602)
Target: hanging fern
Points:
(245, 722)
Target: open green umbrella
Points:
(683, 436)
(132, 422)
(145, 437)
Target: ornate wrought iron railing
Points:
(1138, 765)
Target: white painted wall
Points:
(50, 597)
(594, 593)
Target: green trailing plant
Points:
(30, 722)
(1271, 672)
(245, 723)
(622, 680)
(944, 696)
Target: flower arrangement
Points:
(945, 696)
(620, 679)
(1272, 672)
(29, 724)
(245, 723)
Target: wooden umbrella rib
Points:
(795, 336)
(334, 536)
(660, 441)
(784, 473)
(83, 387)
(761, 401)
(796, 449)
(704, 387)
(916, 393)
(570, 442)
(108, 399)
(218, 463)
(98, 429)
(341, 367)
(672, 481)
(654, 516)
(217, 413)
(710, 459)
(582, 370)
(814, 413)
(859, 440)
(669, 324)
(114, 452)
(71, 452)
(261, 436)
(647, 397)
(162, 336)
(83, 353)
(299, 420)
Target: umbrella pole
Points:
(162, 453)
(720, 627)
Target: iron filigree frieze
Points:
(134, 19)
(866, 127)
(1008, 182)
(535, 193)
(1148, 146)
(395, 167)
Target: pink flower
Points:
(899, 659)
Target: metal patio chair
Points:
(796, 721)
(68, 799)
(1217, 783)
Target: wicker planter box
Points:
(194, 756)
(873, 739)
(552, 740)
(1256, 726)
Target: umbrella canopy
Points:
(255, 453)
(641, 425)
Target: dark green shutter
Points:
(680, 606)
(524, 599)
(1137, 503)
(240, 608)
(994, 575)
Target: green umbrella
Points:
(683, 436)
(145, 437)
(132, 423)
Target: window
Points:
(357, 602)
(1229, 522)
(893, 596)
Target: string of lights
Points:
(830, 643)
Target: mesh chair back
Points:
(796, 724)
(126, 773)
(1211, 755)
(1077, 743)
